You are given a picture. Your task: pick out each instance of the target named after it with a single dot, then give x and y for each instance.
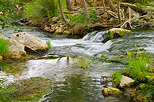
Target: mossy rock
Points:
(110, 91)
(31, 89)
(116, 33)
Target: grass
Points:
(49, 44)
(137, 69)
(116, 76)
(138, 66)
(4, 48)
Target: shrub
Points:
(7, 11)
(4, 49)
(42, 8)
(80, 18)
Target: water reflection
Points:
(80, 88)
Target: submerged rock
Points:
(31, 89)
(110, 91)
(29, 41)
(126, 81)
(116, 33)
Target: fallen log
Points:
(134, 7)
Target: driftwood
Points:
(129, 20)
(132, 6)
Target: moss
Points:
(116, 33)
(110, 91)
(26, 90)
(82, 62)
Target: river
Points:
(72, 83)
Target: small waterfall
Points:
(95, 36)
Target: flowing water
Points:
(74, 84)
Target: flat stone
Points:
(126, 81)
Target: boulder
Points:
(29, 41)
(16, 50)
(3, 37)
(125, 81)
(110, 91)
(116, 33)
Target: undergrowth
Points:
(43, 8)
(80, 18)
(4, 48)
(138, 68)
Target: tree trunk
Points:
(104, 5)
(86, 11)
(62, 14)
(69, 6)
(113, 8)
(119, 13)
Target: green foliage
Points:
(137, 65)
(80, 18)
(82, 62)
(4, 49)
(116, 76)
(7, 10)
(41, 8)
(49, 44)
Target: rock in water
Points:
(110, 91)
(126, 81)
(29, 41)
(16, 50)
(116, 33)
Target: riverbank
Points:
(132, 17)
(81, 79)
(136, 81)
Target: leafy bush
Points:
(7, 10)
(4, 49)
(80, 18)
(42, 8)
